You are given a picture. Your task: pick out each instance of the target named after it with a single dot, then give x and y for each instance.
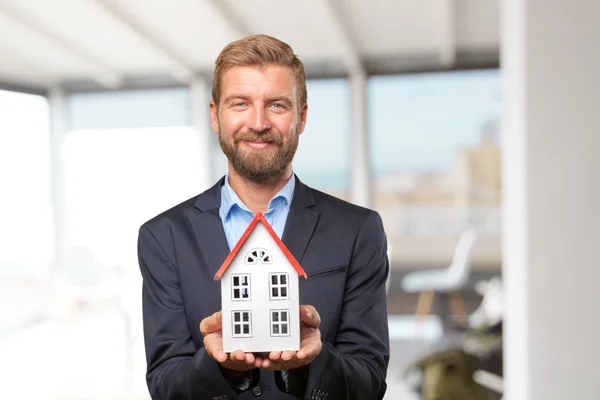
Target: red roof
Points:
(238, 246)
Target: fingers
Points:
(310, 316)
(215, 350)
(211, 324)
(237, 355)
(249, 359)
(288, 355)
(307, 351)
(258, 361)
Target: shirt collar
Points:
(229, 197)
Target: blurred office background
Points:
(104, 123)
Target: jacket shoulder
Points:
(173, 214)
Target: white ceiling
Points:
(111, 42)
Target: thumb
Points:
(310, 316)
(211, 324)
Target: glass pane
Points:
(274, 279)
(236, 293)
(249, 259)
(236, 316)
(246, 316)
(284, 291)
(236, 281)
(275, 316)
(236, 329)
(275, 292)
(246, 329)
(266, 259)
(284, 316)
(284, 329)
(245, 293)
(283, 279)
(245, 280)
(331, 109)
(276, 329)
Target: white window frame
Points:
(241, 323)
(276, 320)
(279, 286)
(240, 287)
(256, 259)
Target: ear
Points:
(214, 118)
(303, 115)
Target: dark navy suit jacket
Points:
(342, 248)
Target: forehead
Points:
(257, 82)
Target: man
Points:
(259, 109)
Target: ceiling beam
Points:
(340, 22)
(448, 33)
(231, 18)
(100, 71)
(180, 69)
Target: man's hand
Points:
(310, 344)
(212, 330)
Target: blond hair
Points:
(260, 51)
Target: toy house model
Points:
(260, 293)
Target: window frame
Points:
(279, 322)
(241, 323)
(240, 286)
(258, 260)
(279, 286)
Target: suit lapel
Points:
(208, 229)
(301, 221)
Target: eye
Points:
(278, 106)
(239, 104)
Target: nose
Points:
(260, 120)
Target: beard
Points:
(260, 166)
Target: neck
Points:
(257, 195)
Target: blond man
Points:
(259, 110)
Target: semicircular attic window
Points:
(258, 256)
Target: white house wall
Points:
(259, 303)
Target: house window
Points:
(280, 325)
(240, 287)
(258, 256)
(278, 286)
(242, 323)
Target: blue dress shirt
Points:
(236, 216)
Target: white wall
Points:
(551, 58)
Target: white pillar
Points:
(360, 166)
(551, 89)
(58, 114)
(200, 101)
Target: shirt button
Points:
(256, 391)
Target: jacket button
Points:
(256, 391)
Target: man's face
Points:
(258, 120)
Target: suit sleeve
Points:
(355, 366)
(175, 369)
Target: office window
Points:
(240, 287)
(242, 323)
(280, 323)
(278, 286)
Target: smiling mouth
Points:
(257, 145)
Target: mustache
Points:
(265, 137)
